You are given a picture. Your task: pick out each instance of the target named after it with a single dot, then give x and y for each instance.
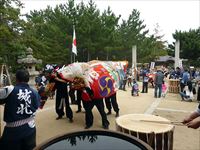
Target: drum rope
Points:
(178, 123)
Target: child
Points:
(164, 89)
(135, 88)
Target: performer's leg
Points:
(108, 105)
(79, 92)
(100, 106)
(69, 113)
(88, 113)
(72, 96)
(59, 106)
(115, 104)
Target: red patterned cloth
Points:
(102, 85)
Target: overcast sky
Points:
(170, 15)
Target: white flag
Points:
(74, 49)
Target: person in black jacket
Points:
(62, 99)
(21, 103)
(145, 80)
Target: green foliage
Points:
(189, 45)
(99, 35)
(10, 31)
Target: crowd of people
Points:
(189, 83)
(189, 80)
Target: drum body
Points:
(174, 86)
(154, 130)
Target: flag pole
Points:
(71, 56)
(74, 48)
(73, 41)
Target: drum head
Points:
(144, 123)
(94, 139)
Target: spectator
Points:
(187, 94)
(159, 77)
(135, 88)
(185, 79)
(129, 79)
(124, 82)
(145, 80)
(164, 89)
(177, 73)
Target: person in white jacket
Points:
(5, 91)
(187, 95)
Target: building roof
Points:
(165, 58)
